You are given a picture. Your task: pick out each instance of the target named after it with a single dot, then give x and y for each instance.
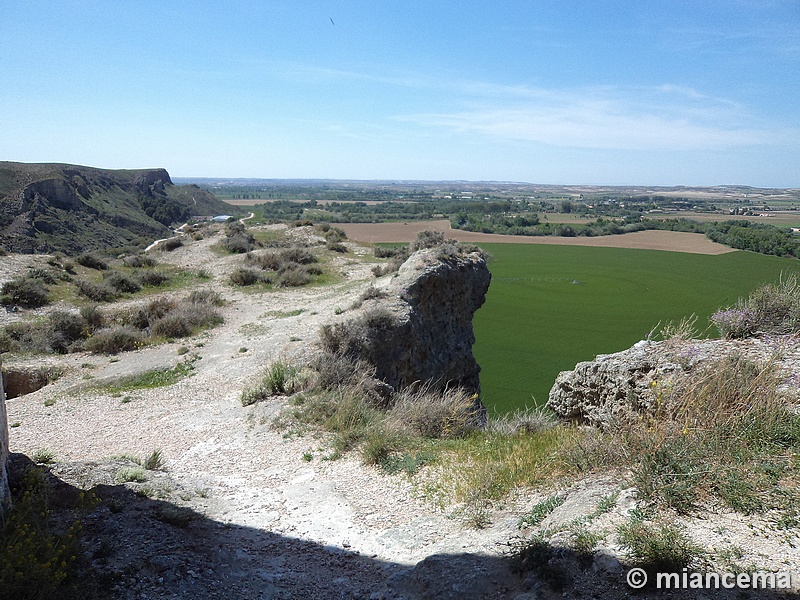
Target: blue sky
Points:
(639, 92)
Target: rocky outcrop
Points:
(596, 391)
(417, 326)
(72, 209)
(4, 491)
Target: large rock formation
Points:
(417, 326)
(71, 209)
(4, 491)
(594, 392)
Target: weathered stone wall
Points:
(420, 329)
(4, 492)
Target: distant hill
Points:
(71, 209)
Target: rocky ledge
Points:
(596, 391)
(416, 326)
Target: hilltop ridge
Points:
(47, 207)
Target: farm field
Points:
(549, 307)
(675, 241)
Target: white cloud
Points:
(661, 118)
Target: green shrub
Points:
(44, 275)
(294, 277)
(151, 278)
(91, 261)
(66, 329)
(357, 337)
(426, 239)
(25, 337)
(243, 276)
(138, 261)
(131, 474)
(451, 413)
(659, 548)
(25, 292)
(298, 255)
(122, 283)
(113, 340)
(170, 244)
(41, 554)
(96, 292)
(771, 309)
(239, 243)
(154, 461)
(184, 320)
(92, 317)
(173, 325)
(279, 379)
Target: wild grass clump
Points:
(771, 309)
(279, 379)
(154, 461)
(448, 414)
(659, 548)
(131, 475)
(24, 291)
(522, 420)
(724, 436)
(154, 378)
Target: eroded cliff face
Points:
(596, 391)
(418, 328)
(72, 209)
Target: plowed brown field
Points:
(673, 241)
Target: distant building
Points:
(221, 218)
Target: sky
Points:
(641, 92)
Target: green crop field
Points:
(549, 307)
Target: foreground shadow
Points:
(137, 547)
